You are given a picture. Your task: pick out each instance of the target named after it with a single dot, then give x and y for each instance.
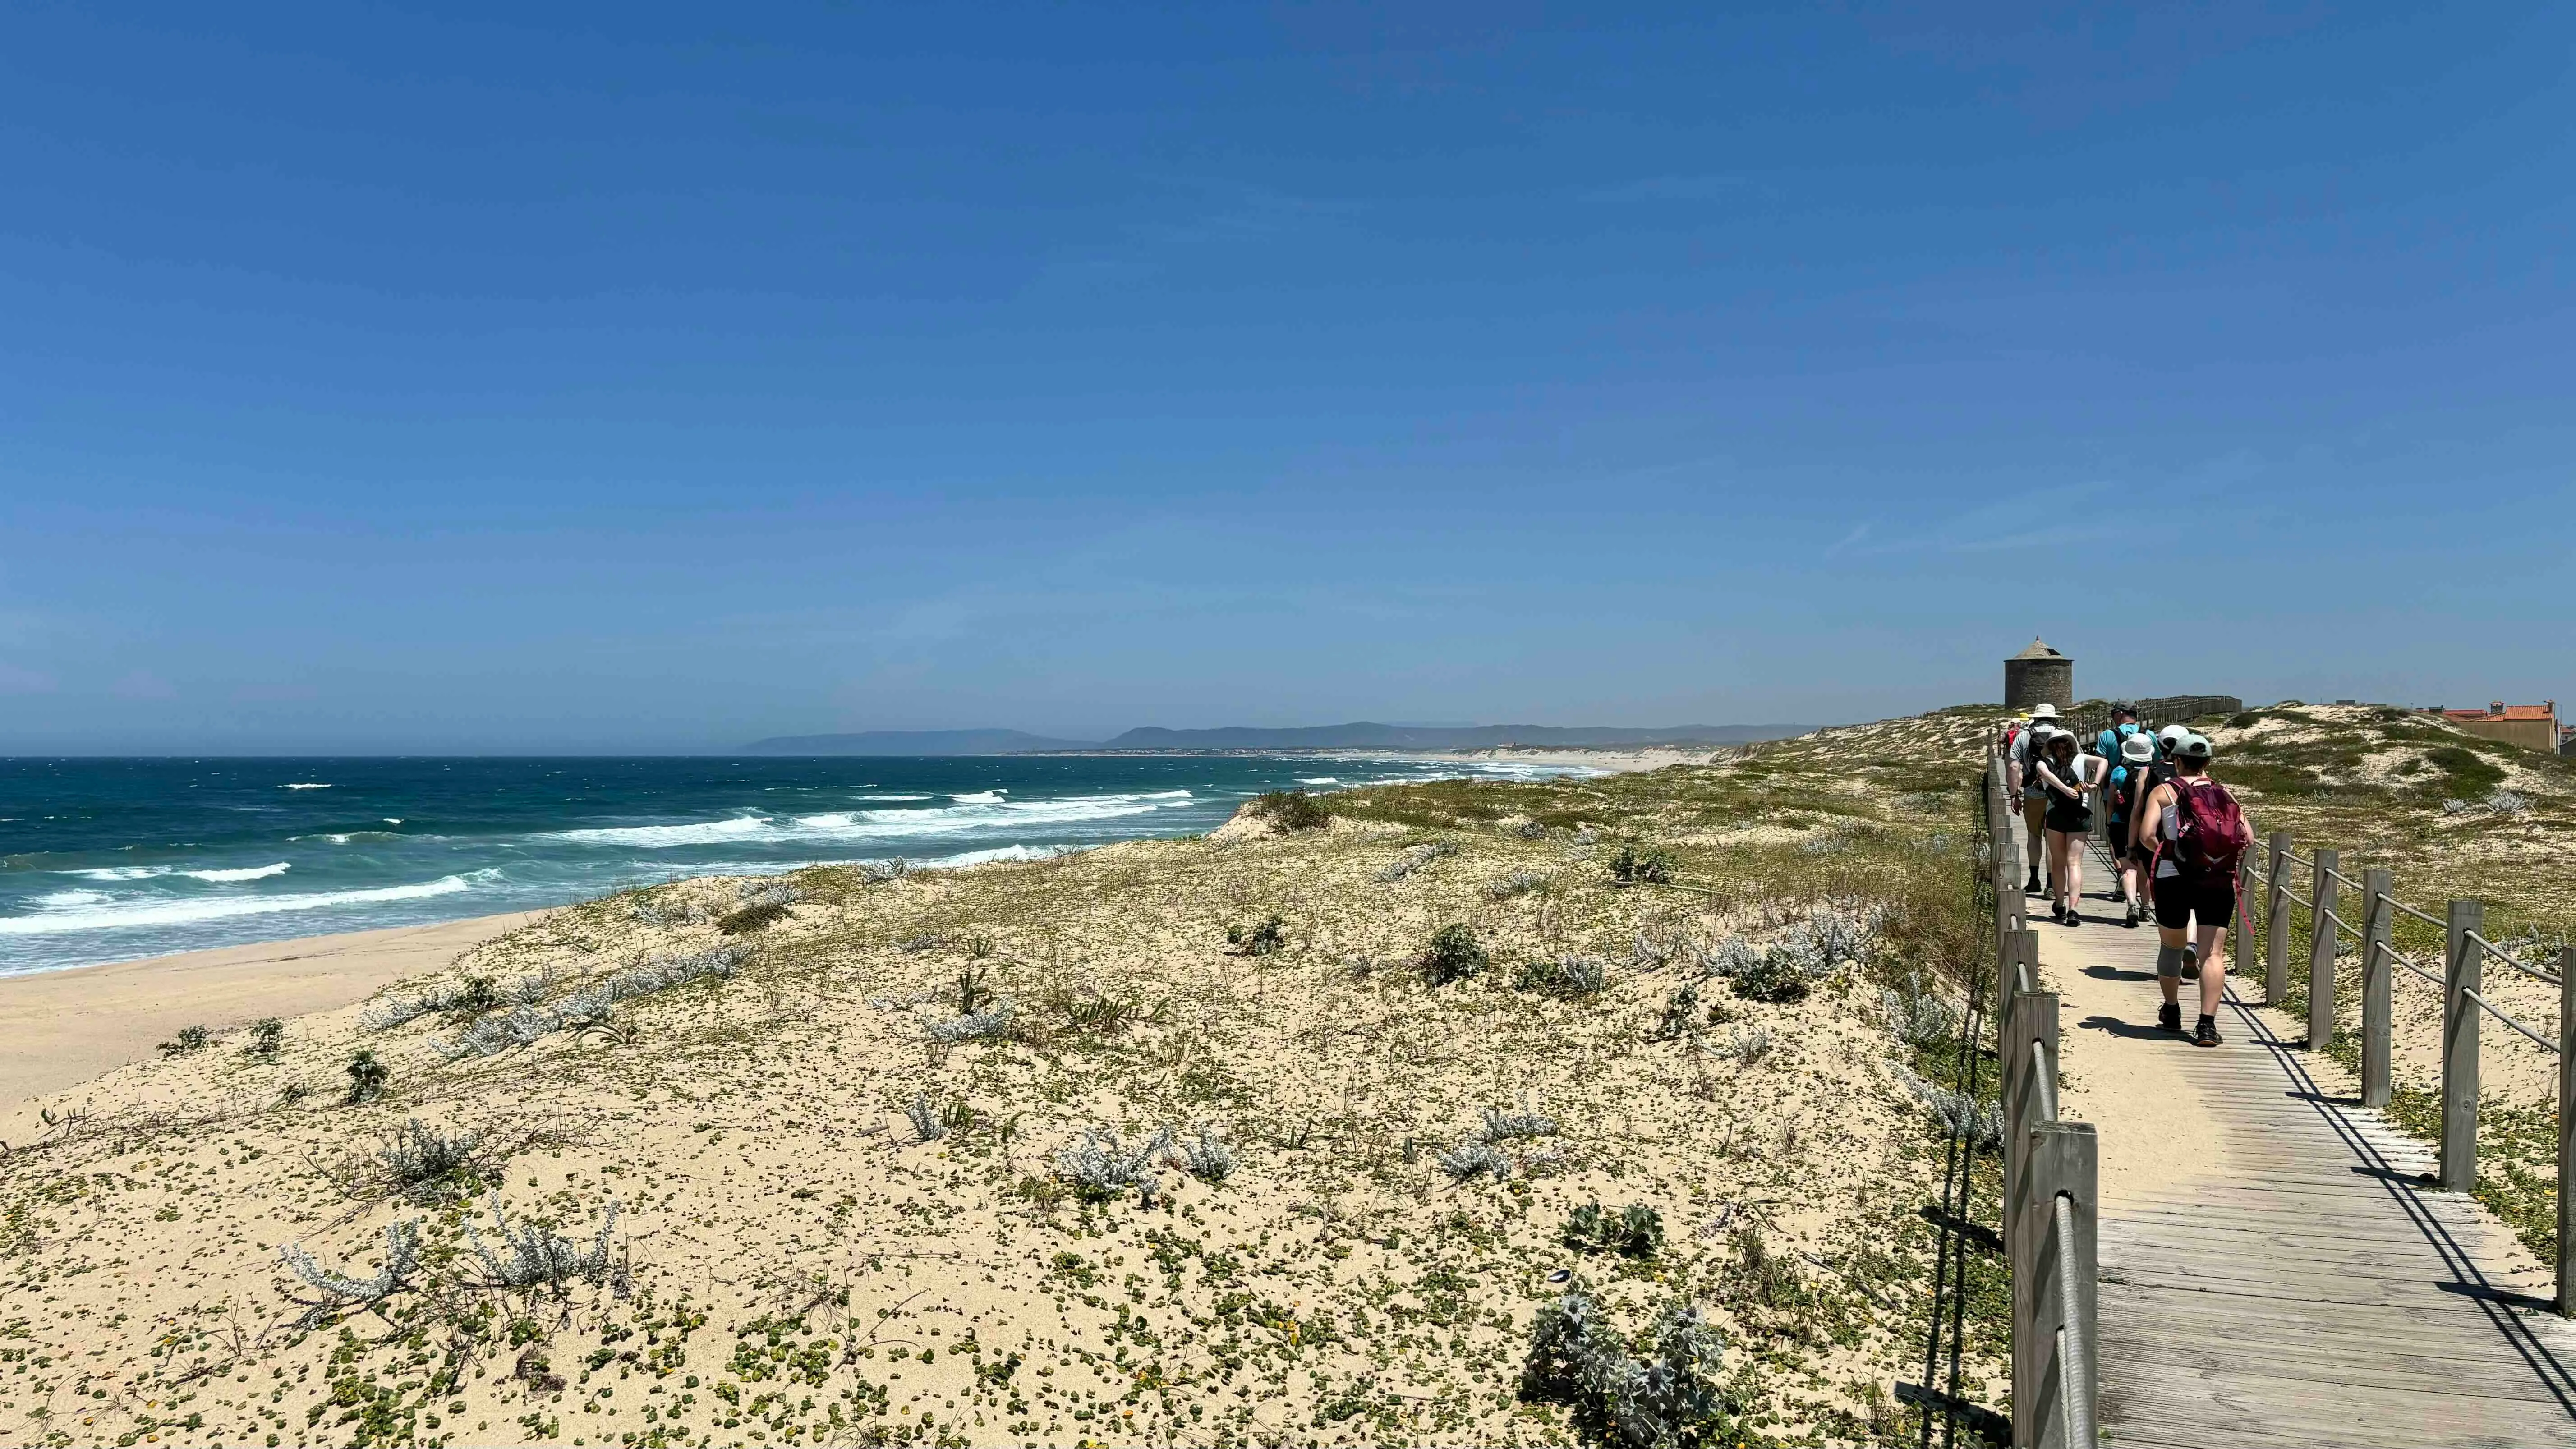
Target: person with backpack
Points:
(2027, 797)
(2124, 723)
(2199, 835)
(2129, 782)
(2068, 778)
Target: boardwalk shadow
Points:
(2127, 1030)
(2114, 973)
(2485, 1294)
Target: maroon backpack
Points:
(2210, 836)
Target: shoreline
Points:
(86, 1021)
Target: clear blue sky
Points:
(653, 376)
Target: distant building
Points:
(2038, 675)
(2567, 739)
(2532, 726)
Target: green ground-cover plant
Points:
(1453, 954)
(1264, 937)
(1291, 810)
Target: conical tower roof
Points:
(2037, 650)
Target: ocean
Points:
(112, 860)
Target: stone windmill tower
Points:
(2038, 675)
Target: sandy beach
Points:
(89, 1020)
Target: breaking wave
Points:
(986, 810)
(100, 912)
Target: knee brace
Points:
(2169, 961)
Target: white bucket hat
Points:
(2043, 711)
(2137, 749)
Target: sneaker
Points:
(2191, 963)
(2074, 918)
(2119, 894)
(2205, 1034)
(2032, 888)
(2057, 912)
(2169, 1018)
(2132, 921)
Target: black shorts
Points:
(2179, 898)
(2072, 819)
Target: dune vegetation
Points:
(1587, 1110)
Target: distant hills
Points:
(1361, 735)
(913, 742)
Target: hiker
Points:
(2169, 737)
(2160, 770)
(2124, 723)
(2199, 835)
(2027, 798)
(2067, 777)
(2129, 782)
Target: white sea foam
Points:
(1320, 780)
(111, 914)
(983, 811)
(156, 872)
(895, 797)
(392, 820)
(66, 900)
(663, 837)
(980, 857)
(248, 872)
(1527, 770)
(305, 785)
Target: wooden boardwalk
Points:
(2275, 1268)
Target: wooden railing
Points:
(2461, 980)
(2051, 1178)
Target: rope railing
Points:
(2498, 1012)
(2404, 909)
(2409, 963)
(2498, 953)
(2460, 976)
(2051, 1180)
(2076, 1397)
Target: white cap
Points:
(2137, 749)
(2043, 711)
(2173, 734)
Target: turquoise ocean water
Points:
(109, 860)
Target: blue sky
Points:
(658, 377)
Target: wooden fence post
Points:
(2276, 922)
(2324, 936)
(2460, 1048)
(2566, 1123)
(2062, 1160)
(2017, 965)
(2377, 975)
(2034, 1023)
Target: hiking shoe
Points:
(2132, 921)
(2191, 963)
(2074, 917)
(2119, 894)
(2205, 1034)
(2057, 912)
(2032, 888)
(2169, 1018)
